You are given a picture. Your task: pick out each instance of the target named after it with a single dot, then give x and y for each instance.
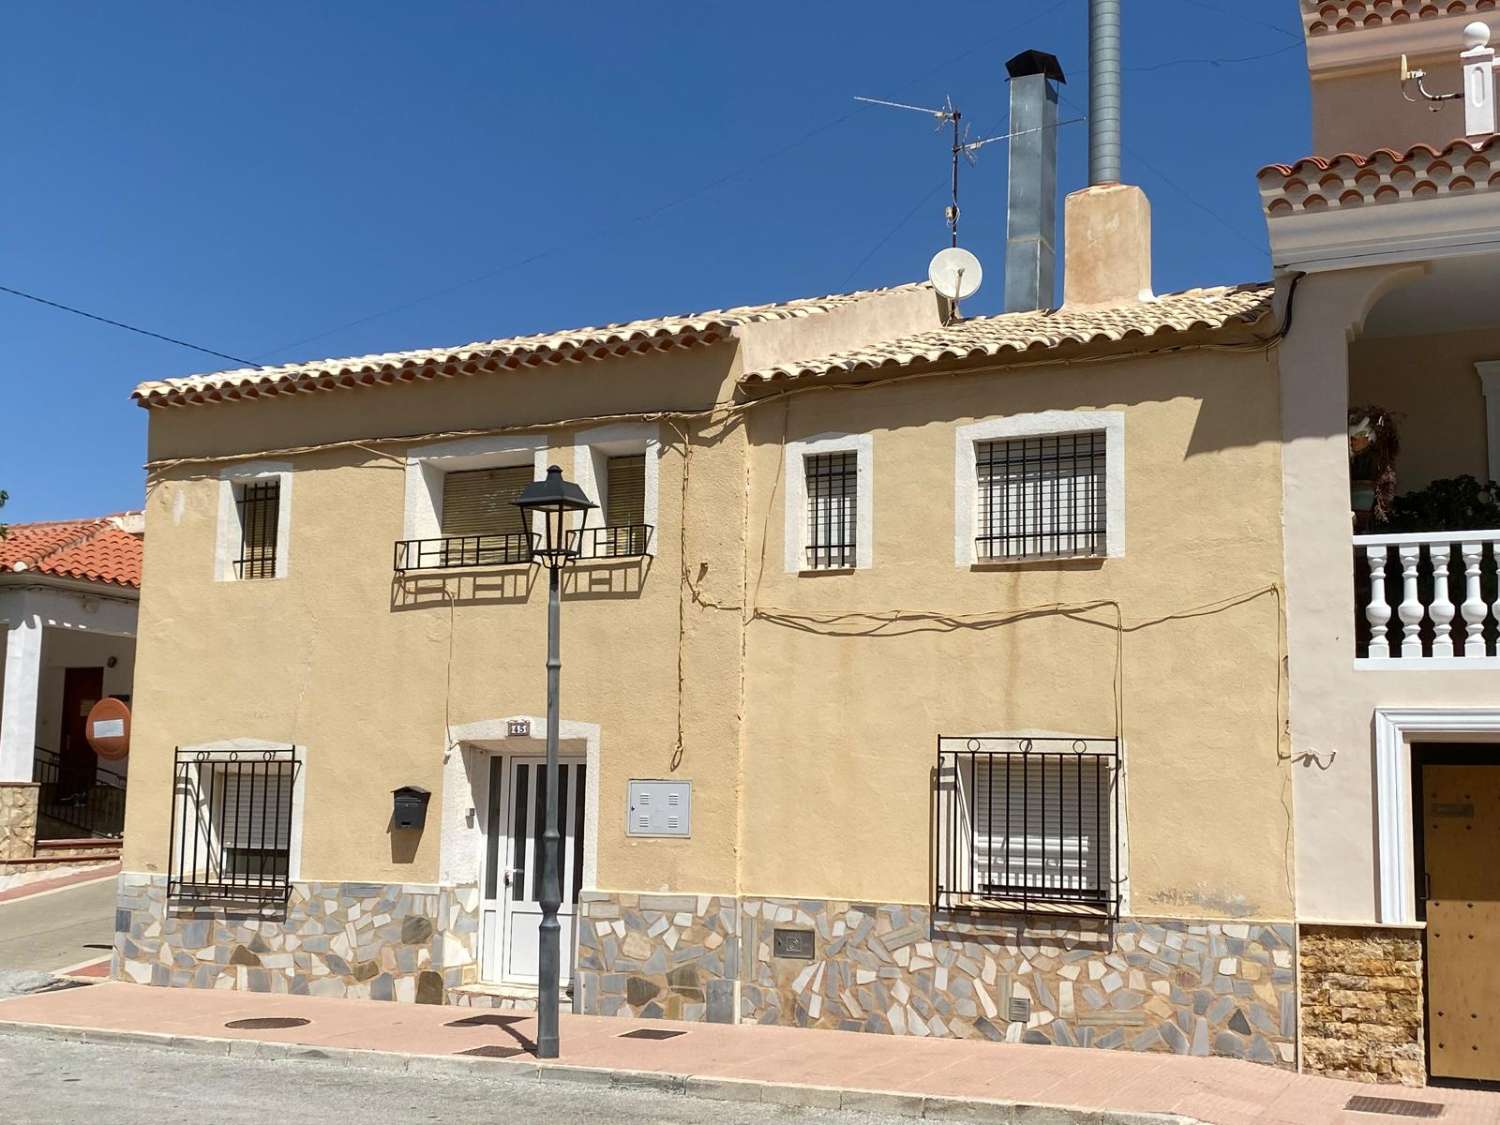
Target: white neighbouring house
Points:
(68, 595)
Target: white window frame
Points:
(249, 747)
(794, 472)
(592, 450)
(1047, 423)
(230, 533)
(427, 467)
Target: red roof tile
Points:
(93, 550)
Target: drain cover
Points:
(652, 1033)
(267, 1023)
(487, 1020)
(490, 1051)
(1393, 1107)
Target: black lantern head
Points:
(554, 499)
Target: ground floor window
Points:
(232, 825)
(1027, 822)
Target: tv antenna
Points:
(952, 116)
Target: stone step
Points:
(504, 997)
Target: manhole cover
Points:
(267, 1023)
(1393, 1107)
(652, 1033)
(490, 1051)
(487, 1020)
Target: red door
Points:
(82, 688)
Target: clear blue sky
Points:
(280, 181)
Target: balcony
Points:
(626, 541)
(1427, 600)
(464, 551)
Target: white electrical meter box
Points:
(660, 808)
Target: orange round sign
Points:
(108, 729)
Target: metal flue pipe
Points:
(1104, 92)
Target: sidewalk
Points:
(891, 1074)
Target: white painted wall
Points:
(1333, 702)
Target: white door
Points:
(512, 912)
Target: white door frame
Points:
(495, 940)
(1395, 730)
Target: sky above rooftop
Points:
(287, 181)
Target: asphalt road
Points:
(57, 929)
(46, 1082)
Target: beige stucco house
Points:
(966, 676)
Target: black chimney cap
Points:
(1028, 63)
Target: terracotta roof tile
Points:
(93, 550)
(1014, 334)
(570, 346)
(1326, 17)
(1317, 183)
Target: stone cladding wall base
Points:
(1362, 1004)
(370, 941)
(1193, 988)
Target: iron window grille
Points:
(259, 504)
(1027, 823)
(832, 495)
(1041, 497)
(232, 826)
(456, 551)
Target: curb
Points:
(929, 1107)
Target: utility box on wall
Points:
(660, 808)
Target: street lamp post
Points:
(554, 500)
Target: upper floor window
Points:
(1041, 497)
(460, 503)
(832, 492)
(259, 503)
(1040, 486)
(830, 503)
(618, 468)
(254, 525)
(483, 501)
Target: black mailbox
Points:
(411, 807)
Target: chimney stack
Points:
(1108, 223)
(1031, 204)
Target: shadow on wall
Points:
(507, 586)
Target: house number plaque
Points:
(518, 728)
(794, 943)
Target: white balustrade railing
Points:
(1425, 562)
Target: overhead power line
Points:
(121, 324)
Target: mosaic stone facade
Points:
(17, 819)
(661, 956)
(1210, 988)
(377, 941)
(1362, 1004)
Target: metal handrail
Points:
(96, 808)
(618, 541)
(453, 552)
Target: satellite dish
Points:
(955, 273)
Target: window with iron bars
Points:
(1026, 823)
(1041, 497)
(832, 496)
(259, 505)
(232, 826)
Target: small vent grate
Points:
(1393, 1107)
(490, 1051)
(1019, 1010)
(652, 1033)
(268, 1023)
(488, 1019)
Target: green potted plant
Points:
(1373, 447)
(1452, 504)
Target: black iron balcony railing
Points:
(232, 826)
(454, 551)
(85, 798)
(622, 542)
(1024, 824)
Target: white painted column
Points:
(23, 668)
(1489, 384)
